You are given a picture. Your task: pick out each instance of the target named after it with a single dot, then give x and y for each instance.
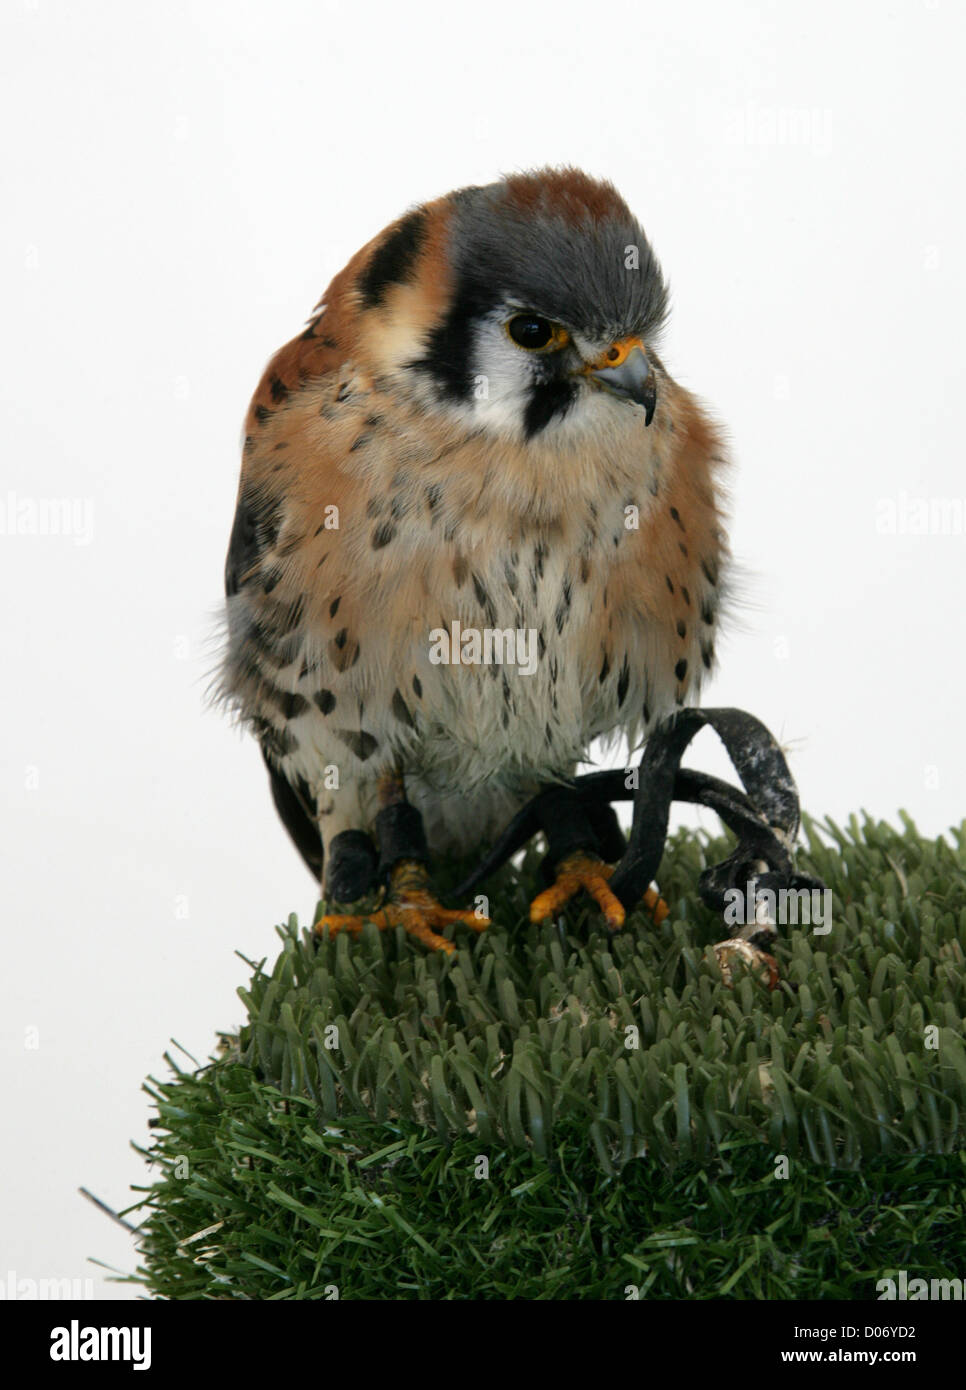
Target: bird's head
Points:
(527, 309)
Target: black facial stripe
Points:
(548, 401)
(448, 357)
(392, 262)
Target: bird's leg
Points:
(410, 900)
(576, 843)
(351, 866)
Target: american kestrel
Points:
(478, 527)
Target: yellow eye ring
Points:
(534, 333)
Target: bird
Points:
(479, 525)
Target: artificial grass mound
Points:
(555, 1112)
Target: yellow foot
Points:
(765, 966)
(590, 873)
(412, 905)
(656, 906)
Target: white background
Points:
(179, 184)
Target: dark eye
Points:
(531, 331)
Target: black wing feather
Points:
(254, 531)
(296, 819)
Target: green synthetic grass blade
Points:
(555, 1112)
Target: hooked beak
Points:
(625, 370)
